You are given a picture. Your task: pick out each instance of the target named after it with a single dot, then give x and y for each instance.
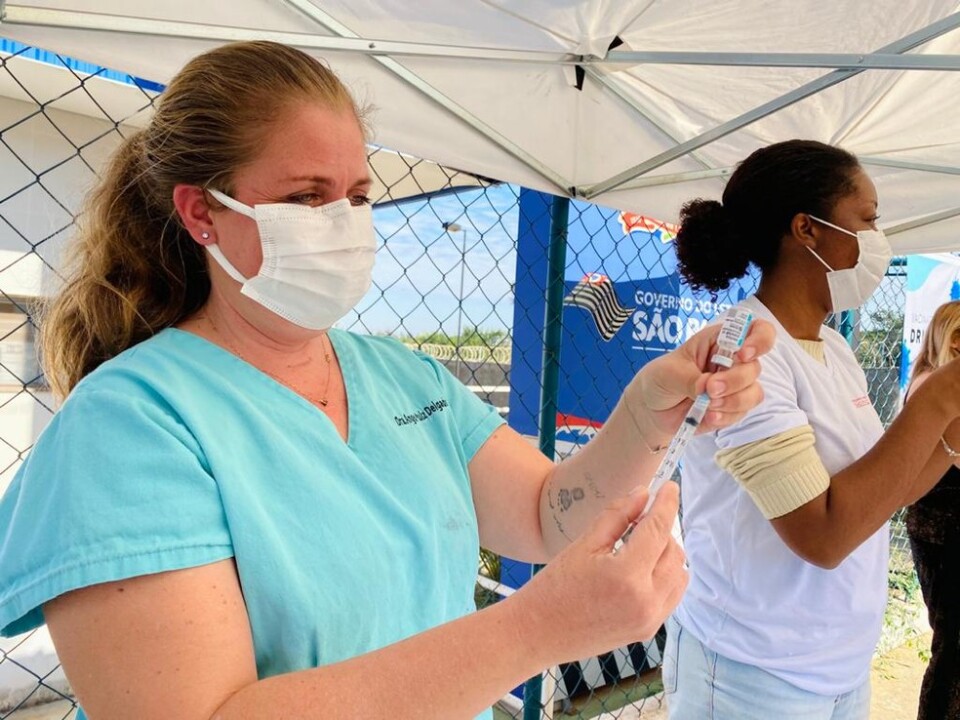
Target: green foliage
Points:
(881, 345)
(904, 611)
(470, 337)
(904, 584)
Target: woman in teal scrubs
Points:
(239, 512)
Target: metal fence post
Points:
(552, 329)
(846, 326)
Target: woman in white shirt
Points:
(785, 512)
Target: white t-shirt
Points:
(750, 598)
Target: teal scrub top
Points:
(177, 453)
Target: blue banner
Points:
(624, 305)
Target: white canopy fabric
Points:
(635, 104)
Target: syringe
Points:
(732, 335)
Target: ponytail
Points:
(709, 253)
(132, 271)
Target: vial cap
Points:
(722, 360)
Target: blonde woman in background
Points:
(933, 525)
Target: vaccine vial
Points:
(733, 333)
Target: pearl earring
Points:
(205, 235)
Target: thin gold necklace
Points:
(322, 400)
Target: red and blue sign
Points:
(624, 304)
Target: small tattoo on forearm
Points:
(593, 485)
(569, 497)
(560, 527)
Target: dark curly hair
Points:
(718, 242)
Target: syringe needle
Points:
(731, 338)
(672, 458)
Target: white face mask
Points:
(317, 261)
(850, 288)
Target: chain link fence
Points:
(451, 280)
(877, 338)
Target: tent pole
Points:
(553, 323)
(847, 321)
(930, 219)
(908, 165)
(549, 387)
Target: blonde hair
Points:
(936, 349)
(134, 269)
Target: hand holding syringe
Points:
(733, 333)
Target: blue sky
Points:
(416, 279)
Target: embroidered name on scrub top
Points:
(424, 413)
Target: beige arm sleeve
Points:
(780, 473)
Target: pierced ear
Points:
(190, 202)
(802, 229)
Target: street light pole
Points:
(452, 228)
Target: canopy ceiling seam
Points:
(908, 165)
(923, 221)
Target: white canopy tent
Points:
(636, 104)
